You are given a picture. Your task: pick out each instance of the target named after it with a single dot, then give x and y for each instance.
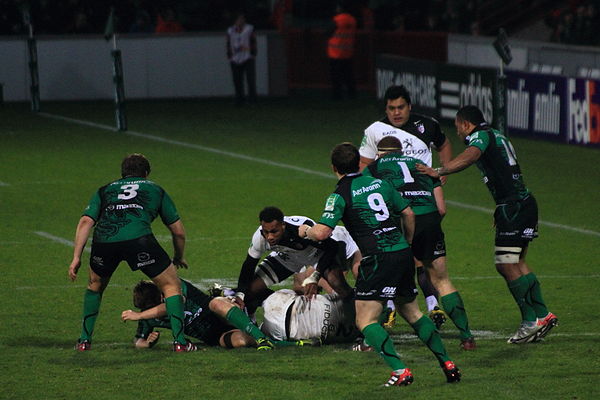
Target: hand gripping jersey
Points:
(290, 316)
(370, 209)
(294, 252)
(401, 172)
(498, 165)
(416, 136)
(124, 209)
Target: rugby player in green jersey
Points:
(428, 244)
(217, 321)
(515, 218)
(122, 213)
(374, 212)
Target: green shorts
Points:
(385, 276)
(516, 222)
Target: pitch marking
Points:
(281, 165)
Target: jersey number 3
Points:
(129, 192)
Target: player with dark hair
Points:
(211, 319)
(122, 213)
(288, 254)
(418, 134)
(428, 245)
(515, 218)
(371, 210)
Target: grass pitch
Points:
(223, 164)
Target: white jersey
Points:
(291, 253)
(412, 145)
(240, 43)
(325, 316)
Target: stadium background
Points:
(222, 164)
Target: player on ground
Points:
(418, 135)
(371, 210)
(515, 218)
(211, 319)
(428, 244)
(122, 212)
(288, 253)
(290, 316)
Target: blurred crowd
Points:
(160, 16)
(577, 23)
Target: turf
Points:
(221, 165)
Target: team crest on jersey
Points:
(420, 127)
(330, 204)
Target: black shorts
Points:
(428, 241)
(143, 253)
(271, 271)
(385, 276)
(516, 222)
(203, 324)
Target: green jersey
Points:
(370, 209)
(199, 321)
(402, 173)
(124, 209)
(498, 165)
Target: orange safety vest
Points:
(341, 44)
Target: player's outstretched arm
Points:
(158, 311)
(82, 233)
(460, 162)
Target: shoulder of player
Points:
(419, 120)
(297, 220)
(376, 127)
(426, 119)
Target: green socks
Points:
(535, 292)
(91, 307)
(519, 288)
(378, 337)
(241, 321)
(454, 307)
(175, 311)
(426, 331)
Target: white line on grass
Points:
(281, 165)
(190, 145)
(4, 184)
(408, 338)
(57, 239)
(206, 283)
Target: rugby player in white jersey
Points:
(291, 316)
(288, 253)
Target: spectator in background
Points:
(340, 51)
(166, 22)
(81, 23)
(142, 23)
(241, 52)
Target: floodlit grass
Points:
(225, 167)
